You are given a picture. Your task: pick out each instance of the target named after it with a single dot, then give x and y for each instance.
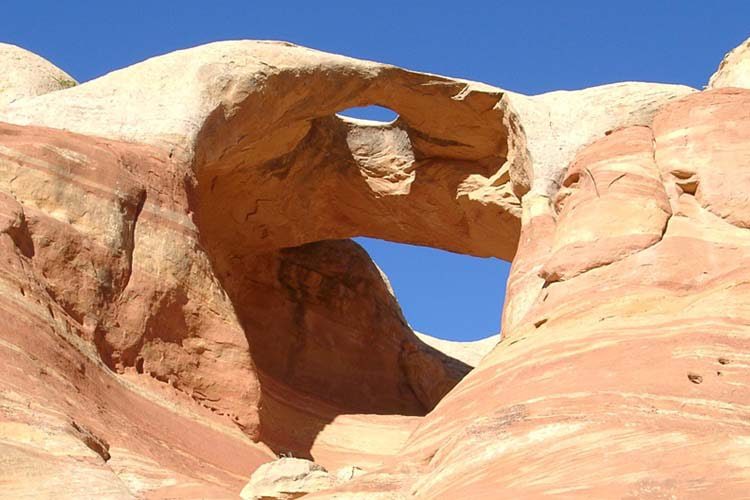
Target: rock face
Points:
(182, 302)
(627, 368)
(734, 70)
(24, 74)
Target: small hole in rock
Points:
(139, 365)
(572, 179)
(688, 187)
(540, 322)
(695, 378)
(375, 113)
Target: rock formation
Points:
(286, 479)
(734, 70)
(182, 303)
(24, 74)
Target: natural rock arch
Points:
(271, 190)
(609, 319)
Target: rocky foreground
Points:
(180, 302)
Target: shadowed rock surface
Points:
(182, 303)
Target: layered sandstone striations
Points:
(627, 371)
(183, 302)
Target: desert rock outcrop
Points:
(182, 302)
(627, 368)
(24, 74)
(734, 70)
(287, 479)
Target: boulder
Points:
(286, 479)
(24, 74)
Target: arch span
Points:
(284, 169)
(283, 181)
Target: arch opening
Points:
(371, 112)
(448, 296)
(275, 201)
(329, 337)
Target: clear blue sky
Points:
(525, 46)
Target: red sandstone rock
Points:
(180, 305)
(615, 383)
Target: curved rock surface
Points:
(183, 303)
(624, 369)
(734, 70)
(24, 74)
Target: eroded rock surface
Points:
(182, 303)
(625, 373)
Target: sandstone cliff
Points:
(181, 302)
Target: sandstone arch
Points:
(225, 186)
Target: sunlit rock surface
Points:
(24, 74)
(734, 70)
(470, 352)
(181, 302)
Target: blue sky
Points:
(525, 46)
